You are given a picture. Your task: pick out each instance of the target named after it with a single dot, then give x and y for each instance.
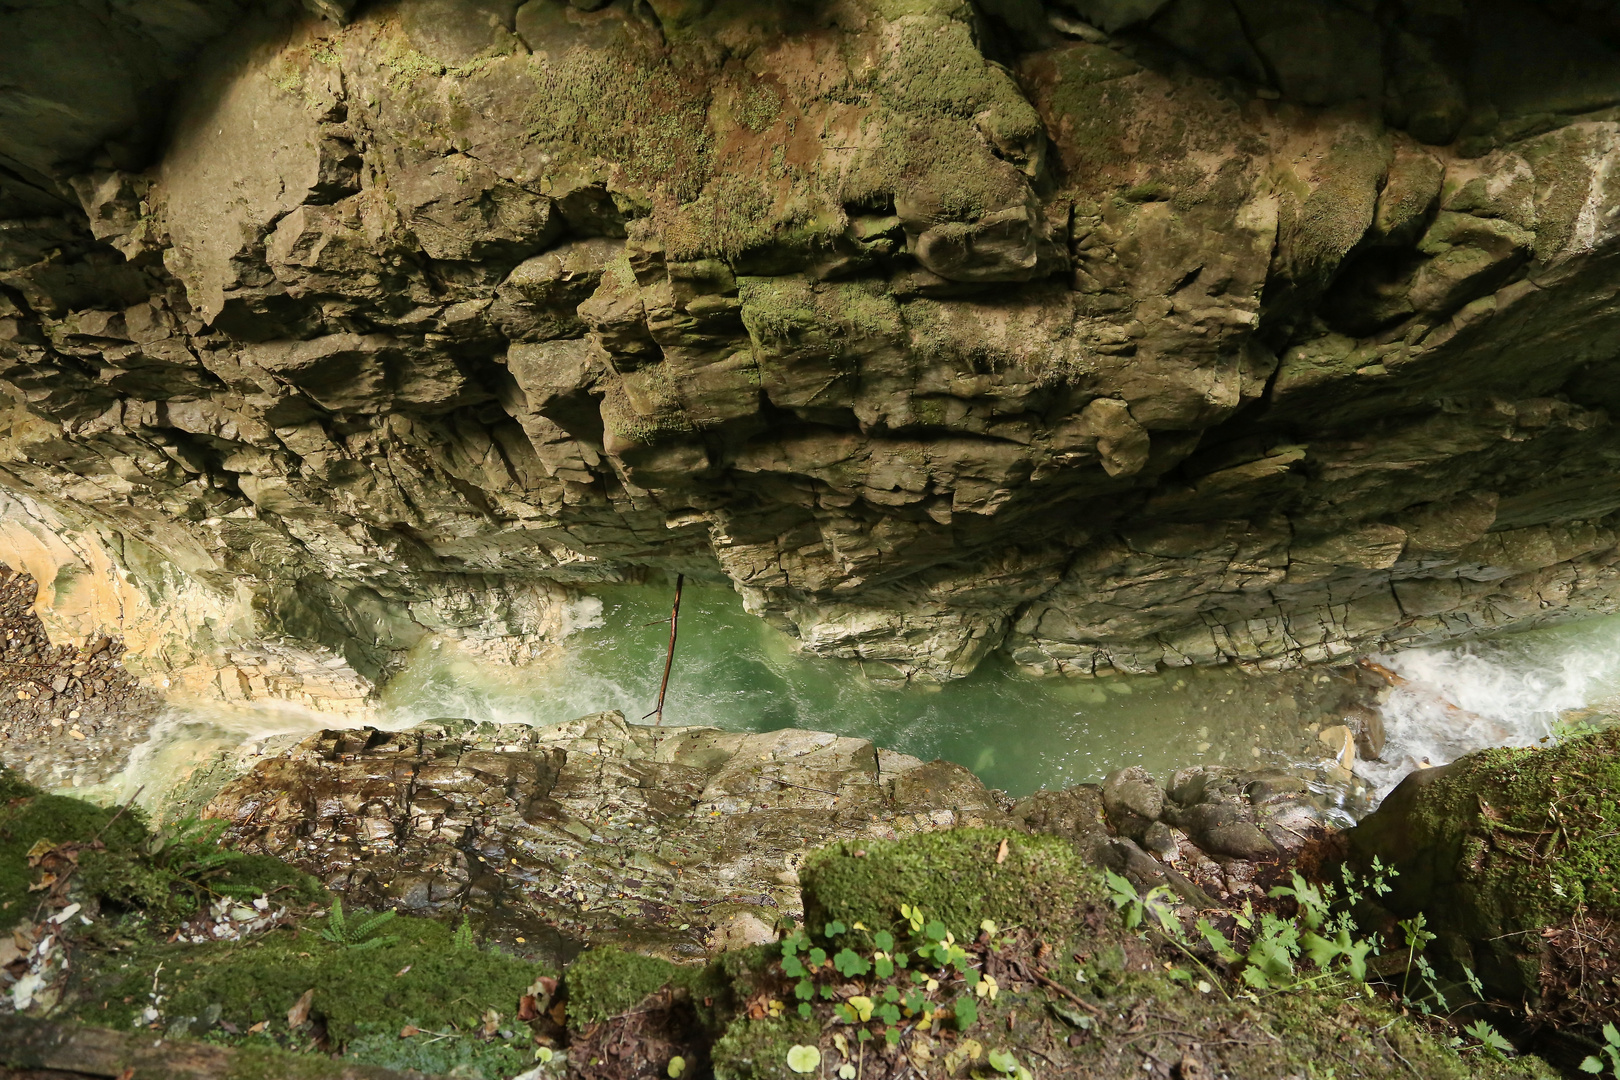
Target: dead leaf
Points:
(492, 1023)
(1190, 1069)
(1001, 852)
(408, 1030)
(45, 882)
(127, 1074)
(402, 971)
(559, 1014)
(260, 1026)
(299, 1013)
(528, 1008)
(42, 847)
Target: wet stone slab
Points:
(675, 841)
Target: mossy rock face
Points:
(1500, 845)
(960, 877)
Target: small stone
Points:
(1239, 840)
(1159, 840)
(1132, 799)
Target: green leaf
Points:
(833, 929)
(1611, 1035)
(1218, 941)
(891, 1036)
(934, 931)
(804, 990)
(804, 1009)
(792, 967)
(1488, 1036)
(1256, 978)
(677, 1065)
(966, 1013)
(884, 941)
(803, 1059)
(1002, 1061)
(1591, 1065)
(850, 963)
(891, 994)
(1355, 957)
(817, 957)
(1320, 950)
(889, 1014)
(883, 967)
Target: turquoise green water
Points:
(733, 671)
(1020, 734)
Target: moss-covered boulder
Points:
(960, 877)
(1501, 849)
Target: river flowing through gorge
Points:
(1017, 733)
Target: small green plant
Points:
(1159, 901)
(1610, 1050)
(1489, 1039)
(893, 986)
(462, 939)
(338, 930)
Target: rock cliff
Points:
(1108, 334)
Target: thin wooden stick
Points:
(669, 657)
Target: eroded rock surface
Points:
(679, 841)
(1113, 336)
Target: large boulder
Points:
(1512, 856)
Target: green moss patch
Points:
(422, 979)
(110, 854)
(960, 877)
(28, 817)
(606, 982)
(1533, 835)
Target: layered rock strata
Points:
(679, 841)
(1112, 336)
(685, 841)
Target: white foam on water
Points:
(1509, 691)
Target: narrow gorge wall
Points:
(1113, 335)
